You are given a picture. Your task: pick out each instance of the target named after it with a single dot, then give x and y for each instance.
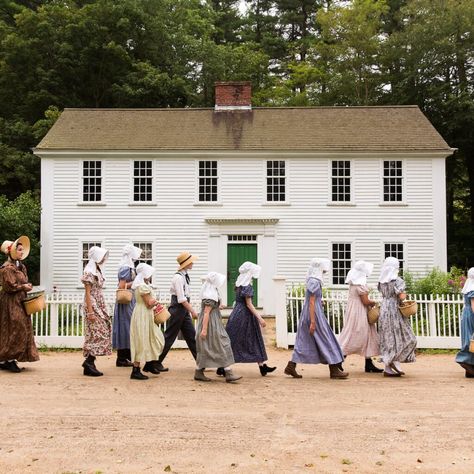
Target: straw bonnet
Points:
(9, 248)
(184, 259)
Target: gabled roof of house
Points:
(390, 128)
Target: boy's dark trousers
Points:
(180, 320)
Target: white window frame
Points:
(218, 202)
(145, 242)
(132, 183)
(404, 250)
(81, 201)
(351, 201)
(286, 202)
(339, 242)
(403, 177)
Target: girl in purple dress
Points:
(245, 323)
(315, 342)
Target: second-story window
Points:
(143, 181)
(276, 181)
(91, 181)
(207, 181)
(392, 181)
(341, 181)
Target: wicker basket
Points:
(471, 344)
(161, 314)
(373, 314)
(124, 296)
(408, 308)
(34, 305)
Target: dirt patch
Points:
(53, 419)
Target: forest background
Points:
(168, 53)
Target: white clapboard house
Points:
(277, 186)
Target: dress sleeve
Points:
(313, 285)
(247, 291)
(144, 290)
(470, 295)
(399, 286)
(178, 283)
(10, 282)
(362, 290)
(124, 274)
(88, 278)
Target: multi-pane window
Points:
(143, 181)
(208, 181)
(147, 252)
(392, 181)
(242, 238)
(341, 181)
(395, 250)
(341, 262)
(91, 181)
(276, 181)
(85, 251)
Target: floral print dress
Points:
(397, 340)
(98, 333)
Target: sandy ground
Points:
(55, 420)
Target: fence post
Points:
(53, 316)
(279, 285)
(432, 317)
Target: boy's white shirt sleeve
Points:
(178, 286)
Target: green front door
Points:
(236, 255)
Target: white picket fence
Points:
(61, 323)
(436, 323)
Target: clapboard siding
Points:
(307, 223)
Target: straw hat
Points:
(184, 259)
(9, 248)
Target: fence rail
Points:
(61, 323)
(436, 323)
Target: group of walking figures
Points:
(142, 345)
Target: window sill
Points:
(276, 203)
(91, 204)
(208, 204)
(341, 204)
(141, 204)
(393, 204)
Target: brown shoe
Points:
(388, 374)
(467, 367)
(336, 373)
(290, 369)
(199, 376)
(394, 368)
(230, 377)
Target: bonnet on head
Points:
(318, 266)
(359, 272)
(130, 254)
(469, 284)
(389, 270)
(144, 271)
(248, 271)
(210, 288)
(96, 255)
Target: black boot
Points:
(89, 367)
(12, 366)
(370, 367)
(123, 358)
(151, 367)
(220, 371)
(137, 375)
(264, 369)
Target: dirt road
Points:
(55, 420)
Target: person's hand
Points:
(312, 327)
(91, 317)
(203, 334)
(221, 306)
(194, 315)
(28, 286)
(262, 323)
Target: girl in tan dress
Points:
(358, 336)
(17, 342)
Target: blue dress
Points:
(244, 330)
(123, 314)
(467, 330)
(322, 346)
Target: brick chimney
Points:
(233, 95)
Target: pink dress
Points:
(357, 335)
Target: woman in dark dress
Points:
(17, 342)
(245, 323)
